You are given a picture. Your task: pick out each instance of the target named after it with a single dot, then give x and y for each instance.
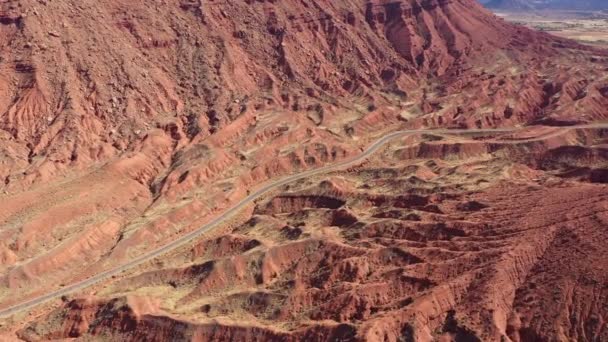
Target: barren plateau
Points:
(589, 27)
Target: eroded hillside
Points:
(126, 124)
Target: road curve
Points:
(246, 201)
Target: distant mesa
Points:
(519, 5)
(509, 4)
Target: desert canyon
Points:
(126, 125)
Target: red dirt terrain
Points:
(126, 124)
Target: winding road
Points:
(230, 212)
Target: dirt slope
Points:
(124, 124)
(431, 240)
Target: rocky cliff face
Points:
(124, 124)
(84, 88)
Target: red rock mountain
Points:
(124, 124)
(82, 81)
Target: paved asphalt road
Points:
(240, 205)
